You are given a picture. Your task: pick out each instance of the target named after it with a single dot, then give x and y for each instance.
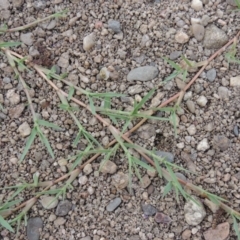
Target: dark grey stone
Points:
(63, 208)
(149, 210)
(114, 204)
(236, 130)
(33, 226)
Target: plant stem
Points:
(32, 23)
(25, 87)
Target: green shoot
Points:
(9, 44)
(231, 54)
(179, 71)
(235, 227)
(237, 3)
(37, 131)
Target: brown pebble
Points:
(150, 189)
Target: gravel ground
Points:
(101, 38)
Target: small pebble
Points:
(181, 37)
(236, 130)
(34, 226)
(114, 204)
(63, 208)
(203, 145)
(198, 31)
(197, 5)
(202, 101)
(211, 74)
(89, 42)
(114, 25)
(148, 209)
(83, 180)
(191, 106)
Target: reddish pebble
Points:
(98, 24)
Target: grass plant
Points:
(15, 205)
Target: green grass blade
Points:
(173, 64)
(9, 204)
(49, 192)
(71, 92)
(77, 139)
(187, 61)
(107, 105)
(171, 76)
(143, 101)
(137, 171)
(167, 189)
(142, 164)
(235, 227)
(46, 143)
(92, 107)
(35, 178)
(48, 124)
(29, 143)
(9, 44)
(5, 224)
(158, 168)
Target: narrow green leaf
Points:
(171, 76)
(46, 143)
(177, 194)
(35, 178)
(9, 204)
(71, 92)
(77, 139)
(48, 124)
(167, 189)
(142, 164)
(235, 227)
(5, 224)
(29, 143)
(187, 61)
(50, 192)
(158, 168)
(9, 44)
(137, 171)
(173, 64)
(92, 107)
(143, 101)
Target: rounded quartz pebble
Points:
(211, 74)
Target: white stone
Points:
(89, 42)
(202, 101)
(197, 5)
(108, 167)
(187, 95)
(24, 129)
(120, 180)
(203, 145)
(13, 97)
(191, 129)
(88, 169)
(235, 81)
(180, 145)
(181, 37)
(49, 202)
(194, 213)
(83, 180)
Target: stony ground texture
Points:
(102, 44)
